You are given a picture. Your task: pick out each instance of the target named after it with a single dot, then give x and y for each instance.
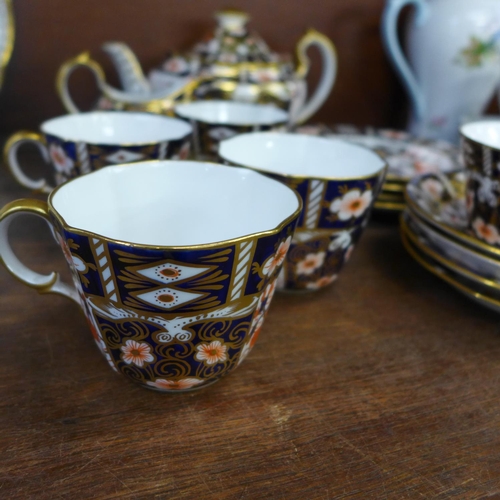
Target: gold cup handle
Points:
(11, 148)
(62, 81)
(51, 283)
(328, 74)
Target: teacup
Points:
(81, 143)
(338, 183)
(481, 154)
(174, 263)
(214, 121)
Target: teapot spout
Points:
(128, 67)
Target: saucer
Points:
(406, 155)
(479, 293)
(481, 271)
(439, 200)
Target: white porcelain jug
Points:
(454, 60)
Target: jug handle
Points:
(328, 75)
(65, 71)
(50, 283)
(393, 48)
(11, 148)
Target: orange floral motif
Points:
(267, 295)
(486, 232)
(352, 204)
(62, 162)
(137, 353)
(277, 259)
(175, 385)
(256, 330)
(211, 353)
(310, 263)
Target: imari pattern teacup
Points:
(174, 263)
(481, 154)
(78, 144)
(338, 183)
(215, 121)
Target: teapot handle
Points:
(393, 48)
(65, 71)
(50, 283)
(329, 56)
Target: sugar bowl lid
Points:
(233, 44)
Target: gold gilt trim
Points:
(34, 207)
(201, 246)
(393, 187)
(445, 262)
(301, 178)
(390, 197)
(391, 207)
(22, 135)
(458, 235)
(311, 36)
(442, 275)
(396, 179)
(489, 258)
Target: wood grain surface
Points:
(385, 385)
(48, 32)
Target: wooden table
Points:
(385, 385)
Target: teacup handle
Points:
(62, 81)
(51, 283)
(11, 148)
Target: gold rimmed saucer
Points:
(443, 261)
(449, 277)
(440, 202)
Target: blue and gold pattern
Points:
(334, 215)
(71, 159)
(207, 136)
(171, 318)
(482, 190)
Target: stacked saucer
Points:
(406, 156)
(434, 231)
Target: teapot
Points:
(233, 64)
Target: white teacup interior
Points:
(484, 132)
(232, 113)
(174, 203)
(116, 128)
(301, 155)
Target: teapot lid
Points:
(232, 43)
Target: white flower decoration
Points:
(486, 232)
(352, 204)
(310, 263)
(62, 162)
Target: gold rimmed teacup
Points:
(338, 183)
(78, 144)
(174, 263)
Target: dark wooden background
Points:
(51, 31)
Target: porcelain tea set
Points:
(234, 64)
(208, 195)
